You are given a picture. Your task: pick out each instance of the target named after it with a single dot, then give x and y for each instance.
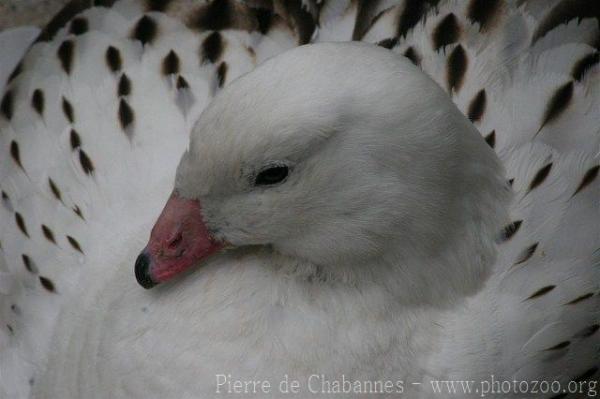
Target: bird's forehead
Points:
(278, 112)
(231, 146)
(227, 150)
(249, 127)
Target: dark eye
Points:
(272, 175)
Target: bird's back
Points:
(94, 119)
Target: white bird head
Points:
(345, 157)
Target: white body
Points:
(436, 298)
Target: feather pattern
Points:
(99, 111)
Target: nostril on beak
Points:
(142, 271)
(174, 243)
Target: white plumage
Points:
(383, 235)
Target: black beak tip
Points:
(142, 271)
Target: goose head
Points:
(344, 158)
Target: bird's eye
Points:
(271, 175)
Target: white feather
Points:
(255, 314)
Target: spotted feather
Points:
(95, 117)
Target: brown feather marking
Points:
(264, 18)
(215, 15)
(38, 102)
(104, 3)
(221, 73)
(588, 178)
(63, 17)
(29, 264)
(388, 43)
(48, 233)
(228, 14)
(68, 110)
(54, 189)
(364, 17)
(477, 106)
(588, 331)
(157, 5)
(113, 59)
(47, 284)
(581, 298)
(78, 212)
(526, 254)
(541, 291)
(412, 55)
(182, 83)
(252, 53)
(414, 11)
(491, 138)
(583, 65)
(483, 12)
(124, 86)
(446, 32)
(558, 103)
(559, 346)
(511, 229)
(564, 12)
(21, 224)
(126, 115)
(79, 26)
(74, 243)
(170, 64)
(212, 48)
(540, 176)
(7, 104)
(456, 68)
(145, 30)
(16, 72)
(300, 19)
(86, 163)
(65, 55)
(6, 202)
(15, 153)
(75, 140)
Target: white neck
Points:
(228, 317)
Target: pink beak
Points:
(178, 240)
